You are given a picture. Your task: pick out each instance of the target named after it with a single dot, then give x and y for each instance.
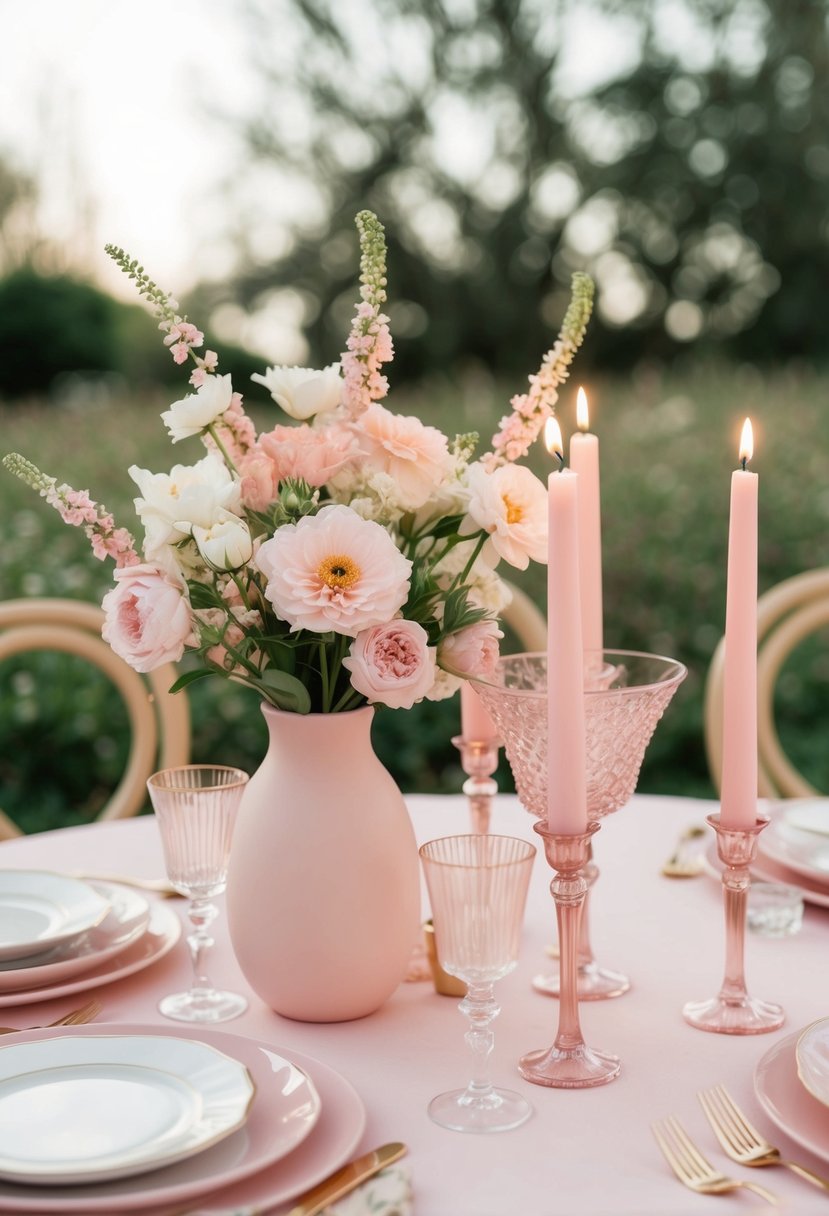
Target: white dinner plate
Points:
(161, 934)
(787, 1103)
(128, 917)
(113, 1106)
(39, 910)
(254, 1153)
(772, 871)
(798, 837)
(812, 1054)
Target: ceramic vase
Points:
(323, 891)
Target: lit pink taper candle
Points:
(584, 461)
(476, 724)
(738, 809)
(566, 760)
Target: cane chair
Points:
(525, 619)
(786, 615)
(159, 721)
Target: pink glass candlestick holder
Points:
(569, 1063)
(732, 1010)
(479, 760)
(593, 982)
(626, 693)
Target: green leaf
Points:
(203, 595)
(284, 691)
(447, 527)
(190, 677)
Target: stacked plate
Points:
(59, 935)
(792, 1083)
(793, 849)
(143, 1119)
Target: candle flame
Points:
(553, 439)
(746, 443)
(582, 414)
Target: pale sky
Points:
(114, 93)
(108, 103)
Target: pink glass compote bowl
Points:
(619, 728)
(621, 715)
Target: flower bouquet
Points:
(345, 556)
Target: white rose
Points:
(225, 544)
(303, 391)
(171, 503)
(197, 410)
(511, 505)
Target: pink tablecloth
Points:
(582, 1152)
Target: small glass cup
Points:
(774, 909)
(478, 890)
(196, 807)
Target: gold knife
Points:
(345, 1179)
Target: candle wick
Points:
(744, 462)
(560, 458)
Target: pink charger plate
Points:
(786, 1100)
(241, 1169)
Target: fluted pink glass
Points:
(478, 891)
(196, 807)
(732, 1010)
(626, 693)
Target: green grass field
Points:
(668, 445)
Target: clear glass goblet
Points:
(626, 693)
(196, 807)
(478, 890)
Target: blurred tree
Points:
(438, 115)
(692, 184)
(707, 169)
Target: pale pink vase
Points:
(323, 887)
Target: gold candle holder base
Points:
(445, 984)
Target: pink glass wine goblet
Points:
(196, 807)
(478, 890)
(620, 718)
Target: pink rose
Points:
(313, 454)
(472, 651)
(147, 618)
(392, 663)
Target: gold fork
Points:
(741, 1140)
(691, 1168)
(76, 1017)
(158, 886)
(679, 864)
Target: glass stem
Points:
(480, 1006)
(735, 892)
(591, 873)
(202, 913)
(569, 895)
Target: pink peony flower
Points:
(392, 663)
(334, 571)
(314, 455)
(147, 618)
(415, 456)
(510, 503)
(259, 483)
(472, 651)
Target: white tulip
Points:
(303, 392)
(197, 410)
(226, 544)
